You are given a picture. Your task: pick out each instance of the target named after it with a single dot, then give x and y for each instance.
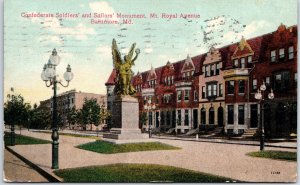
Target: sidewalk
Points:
(219, 159)
(16, 170)
(279, 144)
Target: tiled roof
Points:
(112, 77)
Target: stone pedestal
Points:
(125, 120)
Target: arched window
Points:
(220, 117)
(203, 116)
(211, 116)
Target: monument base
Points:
(125, 117)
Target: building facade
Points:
(217, 89)
(69, 99)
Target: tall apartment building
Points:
(70, 99)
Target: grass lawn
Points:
(110, 148)
(138, 173)
(272, 154)
(23, 140)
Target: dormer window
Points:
(236, 63)
(281, 53)
(273, 56)
(249, 59)
(212, 70)
(291, 52)
(243, 63)
(207, 71)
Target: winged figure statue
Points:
(123, 69)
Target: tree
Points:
(143, 118)
(40, 118)
(90, 112)
(104, 115)
(16, 111)
(72, 116)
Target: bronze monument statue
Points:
(123, 69)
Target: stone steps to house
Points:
(170, 131)
(249, 133)
(192, 132)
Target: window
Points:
(207, 72)
(167, 98)
(268, 81)
(254, 85)
(203, 116)
(209, 90)
(169, 80)
(291, 52)
(220, 90)
(217, 68)
(230, 89)
(241, 86)
(212, 70)
(172, 80)
(273, 56)
(281, 53)
(243, 64)
(203, 69)
(241, 115)
(179, 95)
(186, 117)
(145, 100)
(230, 114)
(178, 117)
(236, 63)
(249, 59)
(281, 81)
(186, 95)
(203, 92)
(214, 89)
(195, 96)
(157, 99)
(211, 116)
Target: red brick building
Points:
(217, 88)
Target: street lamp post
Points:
(49, 75)
(149, 107)
(260, 96)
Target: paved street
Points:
(16, 170)
(215, 158)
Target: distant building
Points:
(69, 99)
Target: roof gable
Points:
(188, 65)
(242, 50)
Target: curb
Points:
(47, 175)
(266, 145)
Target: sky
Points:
(28, 42)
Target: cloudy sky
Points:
(28, 42)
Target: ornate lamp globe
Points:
(43, 75)
(50, 71)
(271, 95)
(54, 58)
(263, 86)
(68, 75)
(258, 95)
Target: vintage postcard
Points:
(140, 91)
